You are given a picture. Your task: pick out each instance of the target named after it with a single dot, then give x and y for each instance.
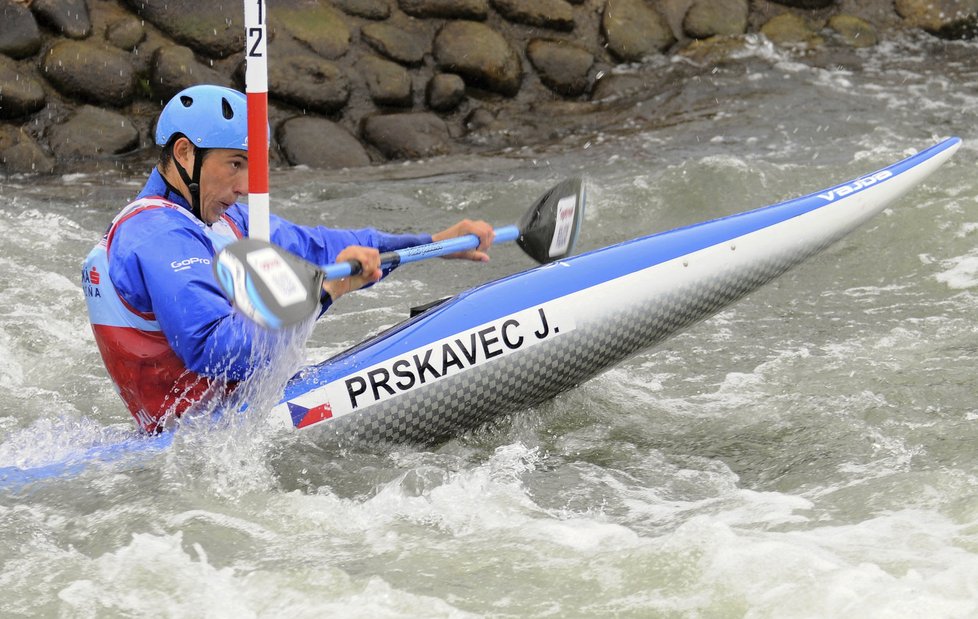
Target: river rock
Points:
(67, 17)
(174, 67)
(634, 30)
(554, 14)
(412, 135)
(126, 33)
(368, 9)
(480, 55)
(707, 18)
(90, 72)
(21, 154)
(481, 120)
(310, 83)
(20, 94)
(397, 44)
(19, 36)
(445, 92)
(214, 28)
(319, 27)
(93, 132)
(388, 82)
(563, 67)
(854, 31)
(319, 143)
(714, 50)
(446, 9)
(950, 19)
(790, 29)
(144, 55)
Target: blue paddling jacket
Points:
(168, 336)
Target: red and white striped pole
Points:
(256, 89)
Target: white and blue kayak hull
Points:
(518, 341)
(515, 342)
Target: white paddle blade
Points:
(268, 284)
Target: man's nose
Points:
(241, 184)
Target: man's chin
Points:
(214, 215)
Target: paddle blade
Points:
(268, 284)
(548, 231)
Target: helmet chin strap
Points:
(193, 182)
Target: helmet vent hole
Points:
(226, 109)
(186, 101)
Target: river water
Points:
(809, 452)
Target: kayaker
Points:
(168, 336)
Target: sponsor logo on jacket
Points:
(90, 281)
(186, 263)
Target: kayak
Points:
(512, 343)
(518, 341)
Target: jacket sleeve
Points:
(168, 272)
(321, 245)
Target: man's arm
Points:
(322, 245)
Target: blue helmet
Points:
(210, 117)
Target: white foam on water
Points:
(163, 575)
(223, 445)
(906, 563)
(42, 231)
(959, 273)
(753, 393)
(664, 492)
(252, 530)
(581, 534)
(55, 439)
(966, 229)
(485, 497)
(11, 369)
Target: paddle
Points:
(276, 288)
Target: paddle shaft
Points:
(420, 252)
(277, 289)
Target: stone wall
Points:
(355, 82)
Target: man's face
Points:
(223, 179)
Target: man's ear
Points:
(183, 152)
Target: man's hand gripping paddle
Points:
(276, 289)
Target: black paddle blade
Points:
(271, 286)
(549, 229)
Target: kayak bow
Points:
(513, 343)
